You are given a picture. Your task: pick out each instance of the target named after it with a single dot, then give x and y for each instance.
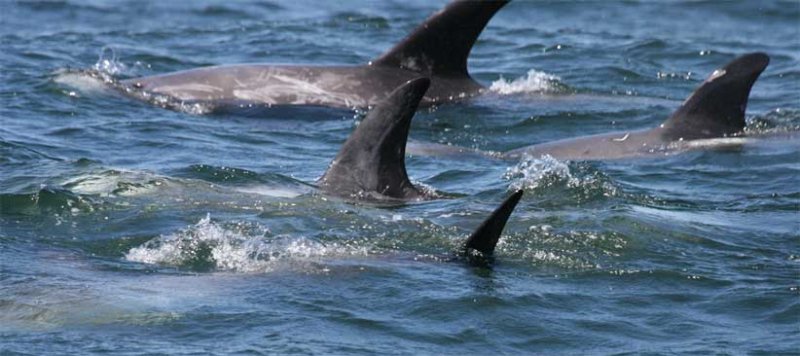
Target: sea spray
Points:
(237, 247)
(533, 173)
(533, 82)
(557, 182)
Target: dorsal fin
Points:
(717, 107)
(440, 45)
(485, 238)
(372, 160)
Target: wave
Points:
(780, 120)
(45, 200)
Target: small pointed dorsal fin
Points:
(372, 160)
(717, 107)
(486, 236)
(440, 45)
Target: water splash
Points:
(107, 62)
(426, 189)
(779, 120)
(555, 182)
(239, 247)
(533, 173)
(533, 82)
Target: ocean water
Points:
(130, 229)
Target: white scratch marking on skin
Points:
(623, 138)
(301, 91)
(717, 73)
(188, 91)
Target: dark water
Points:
(128, 229)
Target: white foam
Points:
(232, 249)
(533, 82)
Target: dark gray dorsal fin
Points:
(485, 238)
(372, 160)
(440, 46)
(717, 107)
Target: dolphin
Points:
(478, 249)
(712, 116)
(371, 164)
(714, 110)
(487, 235)
(437, 49)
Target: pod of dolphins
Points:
(429, 67)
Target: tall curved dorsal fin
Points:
(372, 160)
(440, 45)
(486, 236)
(717, 107)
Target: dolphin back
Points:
(372, 160)
(486, 236)
(718, 106)
(440, 46)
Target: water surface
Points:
(126, 228)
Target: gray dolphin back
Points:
(372, 160)
(717, 107)
(486, 236)
(440, 46)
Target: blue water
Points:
(128, 229)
